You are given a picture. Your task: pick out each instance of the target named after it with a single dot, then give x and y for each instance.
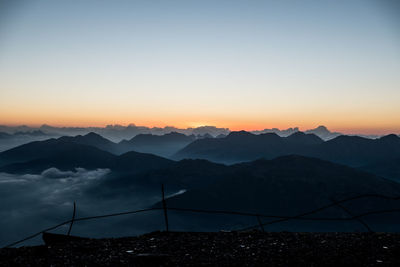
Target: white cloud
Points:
(31, 202)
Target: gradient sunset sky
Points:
(238, 64)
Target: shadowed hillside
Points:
(288, 186)
(162, 145)
(242, 146)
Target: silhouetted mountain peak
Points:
(163, 145)
(304, 139)
(297, 134)
(89, 139)
(153, 137)
(46, 126)
(136, 161)
(93, 135)
(239, 134)
(322, 128)
(64, 148)
(140, 137)
(390, 137)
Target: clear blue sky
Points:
(237, 64)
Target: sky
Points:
(237, 64)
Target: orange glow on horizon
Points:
(252, 70)
(233, 125)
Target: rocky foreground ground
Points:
(210, 249)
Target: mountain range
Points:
(115, 133)
(380, 156)
(242, 146)
(163, 145)
(285, 186)
(279, 183)
(68, 153)
(12, 139)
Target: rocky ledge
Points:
(210, 249)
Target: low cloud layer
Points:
(80, 174)
(51, 185)
(30, 203)
(77, 176)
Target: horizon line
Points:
(378, 132)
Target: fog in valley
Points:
(31, 203)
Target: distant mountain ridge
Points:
(21, 133)
(282, 133)
(117, 133)
(50, 149)
(323, 133)
(245, 146)
(13, 139)
(67, 154)
(379, 156)
(242, 146)
(163, 145)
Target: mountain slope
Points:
(385, 168)
(245, 146)
(63, 156)
(288, 186)
(162, 145)
(358, 151)
(323, 133)
(52, 147)
(45, 149)
(92, 139)
(68, 153)
(138, 162)
(237, 147)
(5, 135)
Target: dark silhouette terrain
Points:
(162, 145)
(271, 180)
(216, 249)
(354, 151)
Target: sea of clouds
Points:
(32, 202)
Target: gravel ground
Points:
(210, 249)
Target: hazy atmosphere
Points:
(243, 65)
(199, 133)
